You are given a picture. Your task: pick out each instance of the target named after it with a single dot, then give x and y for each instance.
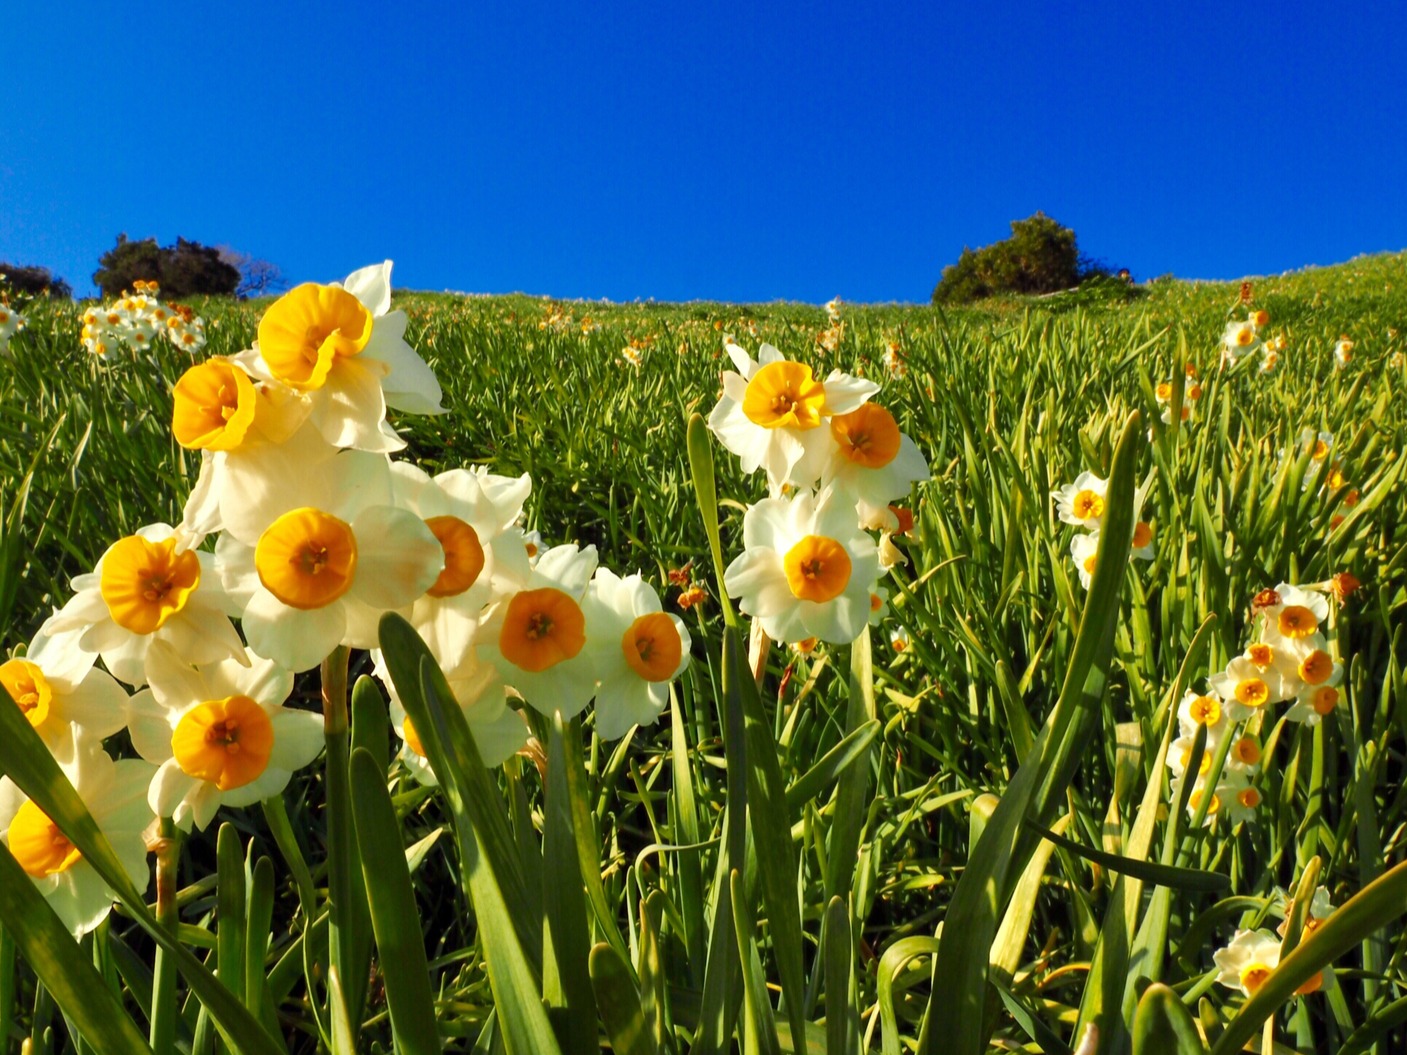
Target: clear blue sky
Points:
(675, 151)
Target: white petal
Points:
(372, 286)
(299, 640)
(298, 738)
(398, 558)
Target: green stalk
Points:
(164, 1006)
(347, 923)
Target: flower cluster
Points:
(1191, 394)
(1252, 956)
(137, 319)
(317, 534)
(1288, 660)
(1243, 337)
(1083, 505)
(834, 462)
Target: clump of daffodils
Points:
(1289, 660)
(835, 460)
(1243, 337)
(1191, 394)
(316, 534)
(1083, 505)
(138, 319)
(1252, 956)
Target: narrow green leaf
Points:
(760, 1024)
(618, 1002)
(394, 920)
(47, 946)
(1163, 1026)
(832, 764)
(1149, 871)
(566, 905)
(842, 1027)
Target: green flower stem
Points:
(164, 1006)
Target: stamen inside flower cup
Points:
(817, 569)
(226, 742)
(307, 558)
(145, 583)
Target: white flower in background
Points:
(57, 686)
(11, 322)
(472, 515)
(1314, 704)
(871, 461)
(772, 412)
(1201, 709)
(115, 794)
(536, 636)
(807, 569)
(499, 731)
(324, 571)
(219, 734)
(1239, 339)
(1248, 961)
(151, 586)
(1295, 617)
(1084, 550)
(899, 639)
(1343, 352)
(1243, 688)
(1083, 502)
(342, 347)
(1244, 755)
(1240, 797)
(879, 605)
(637, 650)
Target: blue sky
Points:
(633, 150)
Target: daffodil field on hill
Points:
(496, 674)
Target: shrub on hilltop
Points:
(34, 281)
(182, 270)
(1040, 257)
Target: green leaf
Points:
(394, 919)
(618, 1002)
(1163, 1026)
(1193, 879)
(760, 1025)
(833, 763)
(956, 1016)
(68, 974)
(842, 1027)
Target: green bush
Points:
(1039, 257)
(183, 270)
(34, 281)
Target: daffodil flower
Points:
(56, 685)
(1314, 704)
(772, 412)
(1248, 961)
(499, 731)
(115, 794)
(472, 515)
(637, 651)
(344, 348)
(219, 734)
(1244, 688)
(807, 569)
(1084, 551)
(151, 586)
(1196, 709)
(1082, 503)
(323, 572)
(1240, 797)
(872, 462)
(536, 636)
(1295, 617)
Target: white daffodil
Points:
(1242, 686)
(1179, 756)
(1295, 616)
(1240, 798)
(637, 650)
(807, 569)
(323, 572)
(1239, 339)
(872, 462)
(1314, 667)
(11, 322)
(472, 515)
(1196, 709)
(771, 414)
(1084, 550)
(115, 794)
(899, 639)
(1314, 704)
(1276, 664)
(1244, 755)
(56, 685)
(1343, 353)
(1083, 502)
(499, 731)
(879, 605)
(1248, 960)
(219, 734)
(151, 586)
(343, 348)
(536, 636)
